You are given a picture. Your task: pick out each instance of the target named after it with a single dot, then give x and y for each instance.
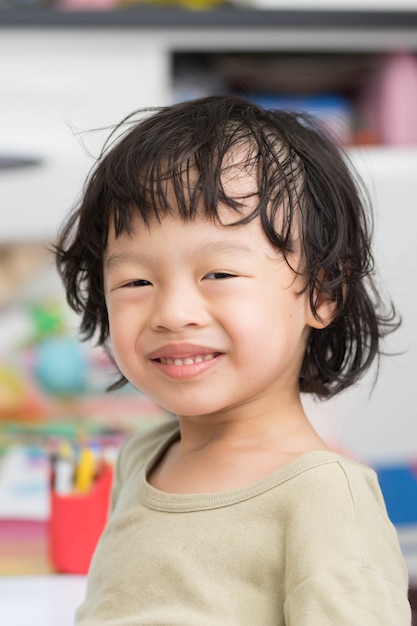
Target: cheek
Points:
(121, 332)
(279, 320)
(250, 324)
(124, 316)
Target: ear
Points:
(325, 312)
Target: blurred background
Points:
(71, 68)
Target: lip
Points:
(183, 352)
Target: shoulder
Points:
(337, 519)
(333, 479)
(344, 563)
(139, 448)
(338, 493)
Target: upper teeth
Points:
(187, 361)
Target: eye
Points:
(140, 282)
(219, 276)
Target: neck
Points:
(282, 427)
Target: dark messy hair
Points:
(306, 192)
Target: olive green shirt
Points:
(308, 545)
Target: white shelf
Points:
(57, 80)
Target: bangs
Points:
(200, 171)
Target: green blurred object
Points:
(47, 320)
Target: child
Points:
(221, 254)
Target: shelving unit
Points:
(66, 71)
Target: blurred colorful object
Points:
(399, 486)
(47, 320)
(59, 364)
(11, 388)
(18, 397)
(390, 99)
(108, 5)
(60, 367)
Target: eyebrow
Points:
(210, 248)
(118, 258)
(223, 247)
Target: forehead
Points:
(227, 226)
(173, 239)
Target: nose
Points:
(177, 307)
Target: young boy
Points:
(221, 254)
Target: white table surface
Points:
(40, 600)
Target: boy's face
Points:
(205, 318)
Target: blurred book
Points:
(399, 487)
(24, 483)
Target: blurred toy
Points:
(47, 321)
(19, 399)
(59, 363)
(389, 100)
(60, 367)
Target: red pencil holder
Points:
(75, 525)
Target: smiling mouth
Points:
(199, 358)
